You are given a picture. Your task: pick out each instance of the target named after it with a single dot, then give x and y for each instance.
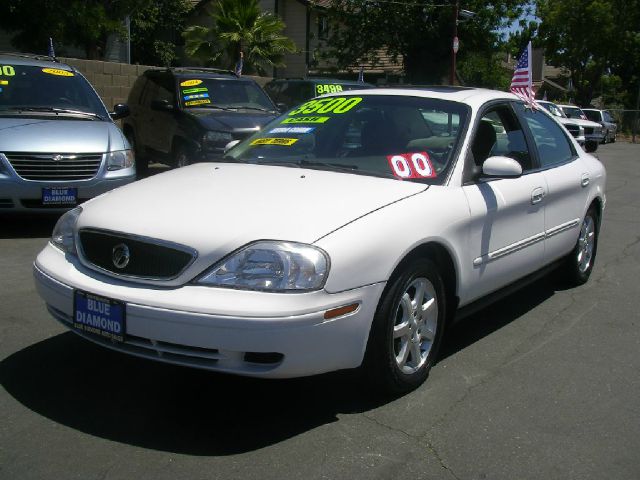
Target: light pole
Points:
(465, 14)
(455, 43)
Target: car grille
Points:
(588, 130)
(50, 166)
(147, 258)
(573, 130)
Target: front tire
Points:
(407, 328)
(579, 264)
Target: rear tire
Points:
(181, 156)
(407, 329)
(579, 263)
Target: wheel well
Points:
(597, 203)
(439, 255)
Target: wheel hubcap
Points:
(586, 243)
(414, 330)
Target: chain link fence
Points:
(628, 122)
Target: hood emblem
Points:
(56, 158)
(120, 256)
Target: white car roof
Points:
(473, 97)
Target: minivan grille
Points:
(147, 258)
(52, 166)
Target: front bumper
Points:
(18, 195)
(257, 334)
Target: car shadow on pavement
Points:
(182, 410)
(27, 226)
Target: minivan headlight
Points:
(64, 233)
(271, 266)
(120, 159)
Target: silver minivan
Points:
(58, 143)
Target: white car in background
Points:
(593, 132)
(574, 129)
(346, 233)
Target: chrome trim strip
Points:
(562, 228)
(509, 249)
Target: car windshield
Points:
(407, 138)
(592, 115)
(574, 112)
(42, 90)
(553, 110)
(221, 93)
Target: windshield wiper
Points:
(55, 110)
(259, 109)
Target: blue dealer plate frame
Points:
(99, 316)
(59, 196)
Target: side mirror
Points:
(501, 167)
(230, 145)
(161, 106)
(120, 110)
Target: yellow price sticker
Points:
(58, 72)
(190, 83)
(7, 71)
(328, 88)
(306, 120)
(327, 105)
(4, 82)
(286, 142)
(197, 102)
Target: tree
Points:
(598, 39)
(239, 26)
(417, 33)
(156, 29)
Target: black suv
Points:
(287, 92)
(185, 115)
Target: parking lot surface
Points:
(543, 384)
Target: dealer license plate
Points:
(59, 196)
(99, 316)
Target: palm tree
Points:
(239, 26)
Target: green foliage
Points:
(239, 26)
(156, 29)
(417, 33)
(88, 23)
(484, 70)
(592, 38)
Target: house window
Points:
(323, 27)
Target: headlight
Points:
(271, 266)
(120, 159)
(217, 138)
(64, 233)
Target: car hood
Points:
(40, 135)
(242, 120)
(582, 123)
(217, 208)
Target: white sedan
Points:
(346, 233)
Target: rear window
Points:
(592, 115)
(218, 92)
(31, 86)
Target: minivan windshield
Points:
(36, 89)
(401, 137)
(221, 93)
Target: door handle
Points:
(537, 195)
(585, 179)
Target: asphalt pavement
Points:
(544, 384)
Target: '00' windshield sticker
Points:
(190, 83)
(411, 165)
(57, 72)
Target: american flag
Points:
(521, 83)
